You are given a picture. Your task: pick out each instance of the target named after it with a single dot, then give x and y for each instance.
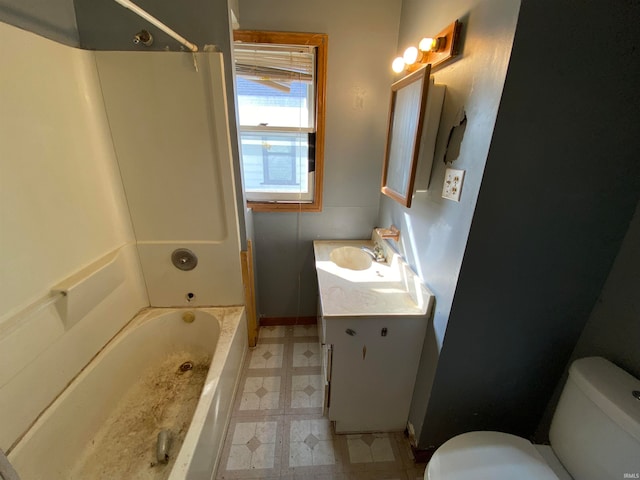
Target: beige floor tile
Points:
(306, 354)
(252, 446)
(277, 430)
(267, 355)
(239, 458)
(359, 452)
(370, 448)
(306, 391)
(261, 393)
(311, 443)
(305, 330)
(272, 332)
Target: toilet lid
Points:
(488, 456)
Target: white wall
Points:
(61, 208)
(171, 135)
(107, 26)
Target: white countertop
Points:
(383, 289)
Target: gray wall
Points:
(613, 328)
(54, 19)
(362, 43)
(106, 25)
(560, 186)
(434, 231)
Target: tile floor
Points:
(277, 430)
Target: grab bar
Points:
(31, 310)
(76, 295)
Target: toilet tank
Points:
(595, 431)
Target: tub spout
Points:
(162, 447)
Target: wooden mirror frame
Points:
(406, 116)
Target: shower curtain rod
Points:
(151, 19)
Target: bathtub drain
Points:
(186, 366)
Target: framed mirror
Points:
(406, 115)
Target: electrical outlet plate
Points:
(452, 184)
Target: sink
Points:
(352, 258)
(351, 283)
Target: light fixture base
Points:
(431, 51)
(447, 46)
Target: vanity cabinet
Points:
(372, 320)
(370, 366)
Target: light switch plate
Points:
(452, 184)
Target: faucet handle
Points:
(379, 252)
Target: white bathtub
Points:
(56, 443)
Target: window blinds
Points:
(275, 63)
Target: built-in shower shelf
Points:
(85, 289)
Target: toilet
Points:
(595, 435)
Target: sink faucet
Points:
(377, 253)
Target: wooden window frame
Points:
(318, 40)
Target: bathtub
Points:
(76, 432)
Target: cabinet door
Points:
(374, 366)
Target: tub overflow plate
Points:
(184, 259)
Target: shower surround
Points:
(123, 156)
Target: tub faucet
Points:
(377, 253)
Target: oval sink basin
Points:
(350, 257)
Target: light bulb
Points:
(397, 65)
(410, 55)
(426, 44)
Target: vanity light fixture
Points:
(434, 51)
(398, 64)
(411, 55)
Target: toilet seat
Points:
(488, 456)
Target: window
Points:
(280, 80)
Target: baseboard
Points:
(422, 455)
(275, 321)
(419, 455)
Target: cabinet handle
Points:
(351, 332)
